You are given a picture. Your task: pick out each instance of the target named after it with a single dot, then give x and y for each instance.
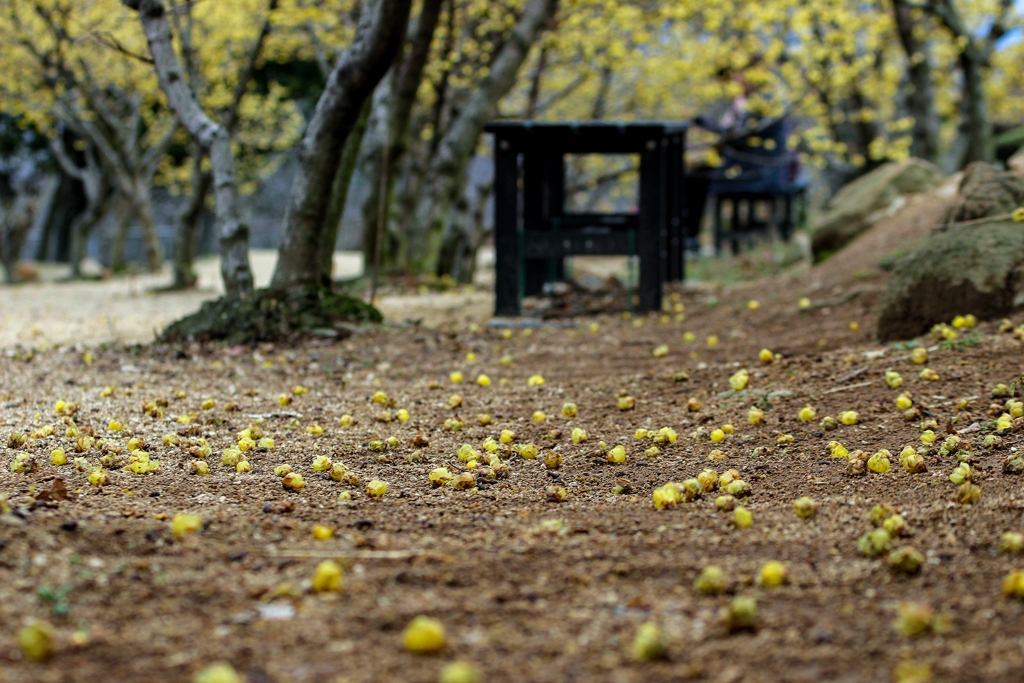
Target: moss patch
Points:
(266, 315)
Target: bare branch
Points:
(231, 117)
(322, 62)
(109, 41)
(998, 28)
(151, 159)
(63, 160)
(560, 95)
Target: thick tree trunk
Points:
(390, 119)
(921, 98)
(339, 194)
(447, 172)
(234, 234)
(378, 37)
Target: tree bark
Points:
(13, 231)
(975, 123)
(143, 209)
(390, 120)
(188, 224)
(124, 224)
(234, 234)
(975, 126)
(447, 171)
(339, 193)
(533, 97)
(98, 188)
(187, 229)
(379, 35)
(921, 100)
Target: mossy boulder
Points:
(863, 202)
(974, 268)
(986, 191)
(267, 315)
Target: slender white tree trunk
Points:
(234, 234)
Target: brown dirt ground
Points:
(522, 602)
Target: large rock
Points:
(858, 205)
(985, 191)
(974, 268)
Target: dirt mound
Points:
(865, 201)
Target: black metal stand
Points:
(532, 231)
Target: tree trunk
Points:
(477, 231)
(98, 188)
(921, 98)
(13, 231)
(408, 186)
(975, 126)
(447, 172)
(82, 228)
(378, 37)
(121, 236)
(339, 193)
(67, 201)
(234, 234)
(188, 224)
(141, 201)
(390, 120)
(124, 225)
(453, 239)
(187, 229)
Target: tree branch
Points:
(322, 62)
(63, 160)
(156, 151)
(230, 119)
(111, 42)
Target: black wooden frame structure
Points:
(533, 233)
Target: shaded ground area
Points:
(528, 589)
